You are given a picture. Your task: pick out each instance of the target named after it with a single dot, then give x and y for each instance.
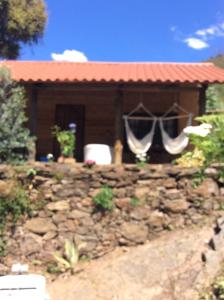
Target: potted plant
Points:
(66, 140)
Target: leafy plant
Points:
(66, 140)
(22, 22)
(104, 199)
(31, 173)
(14, 136)
(134, 201)
(191, 159)
(14, 206)
(142, 160)
(211, 145)
(208, 142)
(69, 259)
(3, 245)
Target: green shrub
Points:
(135, 201)
(68, 259)
(104, 199)
(14, 206)
(211, 145)
(14, 136)
(66, 140)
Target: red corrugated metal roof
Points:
(36, 71)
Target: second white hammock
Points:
(175, 145)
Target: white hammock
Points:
(174, 145)
(139, 146)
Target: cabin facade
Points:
(96, 96)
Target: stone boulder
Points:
(40, 225)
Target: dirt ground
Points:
(168, 268)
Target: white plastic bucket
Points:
(99, 153)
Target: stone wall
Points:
(147, 202)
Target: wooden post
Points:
(33, 124)
(33, 111)
(202, 100)
(118, 146)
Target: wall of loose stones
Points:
(148, 201)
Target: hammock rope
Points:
(178, 144)
(172, 145)
(139, 146)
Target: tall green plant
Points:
(211, 145)
(70, 257)
(66, 140)
(14, 136)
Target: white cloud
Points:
(201, 38)
(196, 43)
(211, 31)
(70, 55)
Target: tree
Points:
(21, 22)
(215, 92)
(14, 136)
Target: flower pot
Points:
(66, 160)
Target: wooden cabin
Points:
(96, 96)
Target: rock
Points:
(40, 225)
(77, 214)
(123, 203)
(59, 205)
(137, 233)
(59, 217)
(87, 221)
(50, 235)
(211, 172)
(80, 193)
(65, 192)
(140, 213)
(69, 225)
(120, 193)
(156, 219)
(173, 194)
(176, 206)
(5, 188)
(141, 192)
(170, 183)
(87, 202)
(31, 244)
(207, 188)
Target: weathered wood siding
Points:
(100, 110)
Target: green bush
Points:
(104, 199)
(212, 144)
(14, 136)
(14, 206)
(66, 140)
(208, 146)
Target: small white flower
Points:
(50, 157)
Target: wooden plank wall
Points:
(100, 110)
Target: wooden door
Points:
(66, 114)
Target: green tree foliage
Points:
(215, 92)
(21, 21)
(14, 136)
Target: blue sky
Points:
(131, 30)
